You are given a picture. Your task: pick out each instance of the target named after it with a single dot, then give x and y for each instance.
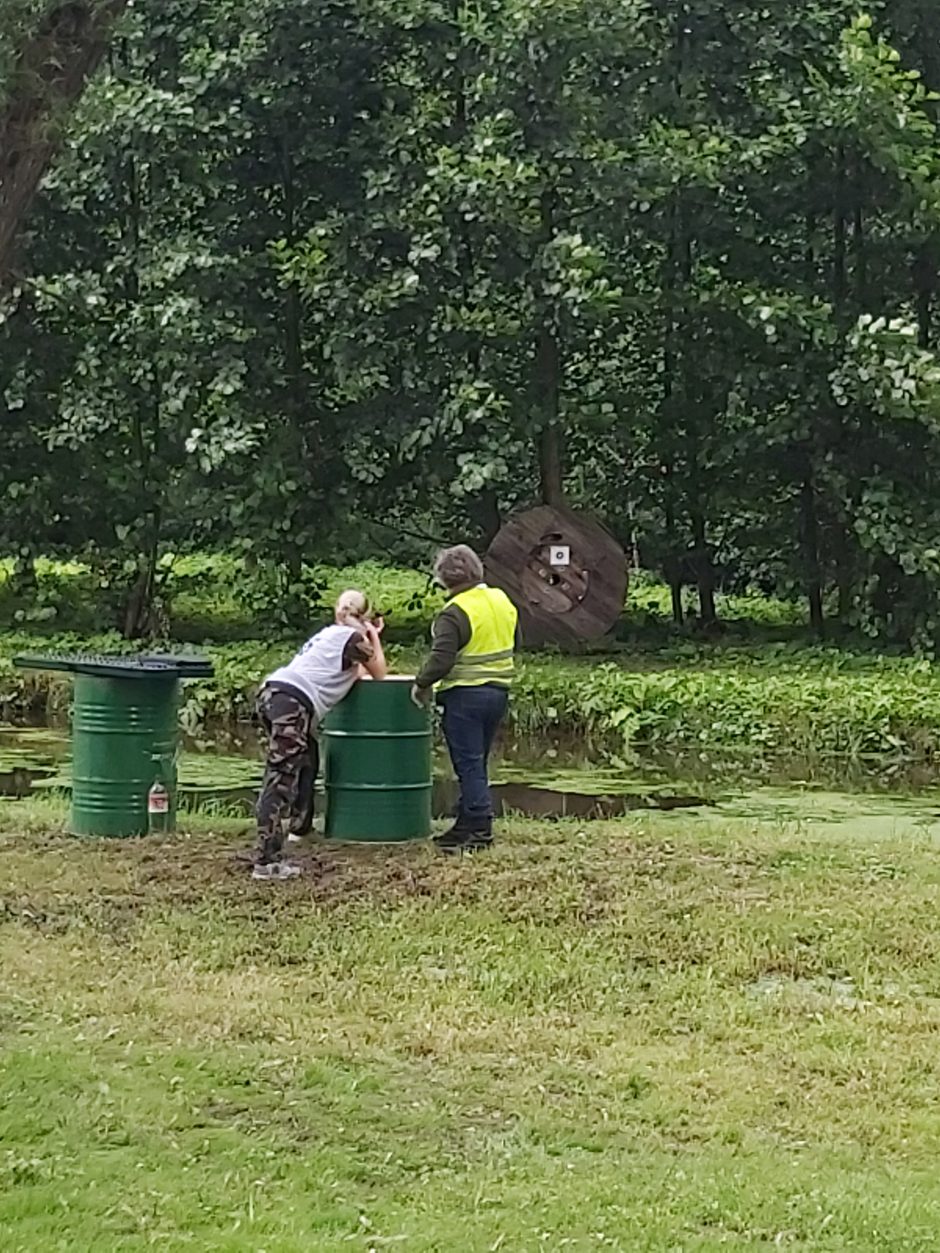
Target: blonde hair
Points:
(352, 608)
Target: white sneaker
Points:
(275, 870)
(294, 839)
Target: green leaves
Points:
(300, 266)
(888, 109)
(885, 369)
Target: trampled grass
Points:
(637, 1036)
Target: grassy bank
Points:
(759, 702)
(595, 1038)
(213, 595)
(748, 695)
(219, 596)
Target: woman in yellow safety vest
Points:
(471, 666)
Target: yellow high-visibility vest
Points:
(488, 658)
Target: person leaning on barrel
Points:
(292, 703)
(471, 663)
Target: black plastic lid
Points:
(163, 665)
(187, 665)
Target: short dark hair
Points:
(458, 567)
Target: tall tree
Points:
(52, 51)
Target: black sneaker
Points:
(453, 834)
(467, 840)
(477, 841)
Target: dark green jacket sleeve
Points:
(451, 633)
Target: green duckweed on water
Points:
(867, 816)
(42, 756)
(36, 758)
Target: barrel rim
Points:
(381, 787)
(391, 842)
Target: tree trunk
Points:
(551, 458)
(550, 470)
(844, 573)
(809, 528)
(704, 570)
(138, 612)
(548, 385)
(49, 77)
(672, 339)
(484, 511)
(673, 566)
(137, 609)
(634, 544)
(674, 578)
(846, 594)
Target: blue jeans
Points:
(471, 719)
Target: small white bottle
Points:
(158, 809)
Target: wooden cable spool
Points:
(565, 573)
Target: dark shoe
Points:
(451, 841)
(466, 840)
(477, 841)
(452, 834)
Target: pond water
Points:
(37, 758)
(223, 774)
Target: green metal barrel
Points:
(377, 765)
(124, 739)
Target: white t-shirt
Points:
(317, 670)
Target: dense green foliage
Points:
(761, 693)
(221, 596)
(317, 280)
(735, 705)
(216, 597)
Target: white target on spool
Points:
(566, 574)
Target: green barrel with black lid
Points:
(377, 765)
(125, 737)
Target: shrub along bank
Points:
(765, 701)
(218, 596)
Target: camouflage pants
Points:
(290, 771)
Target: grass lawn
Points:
(636, 1035)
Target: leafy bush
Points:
(675, 696)
(807, 702)
(650, 600)
(217, 596)
(763, 701)
(220, 596)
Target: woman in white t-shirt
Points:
(291, 705)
